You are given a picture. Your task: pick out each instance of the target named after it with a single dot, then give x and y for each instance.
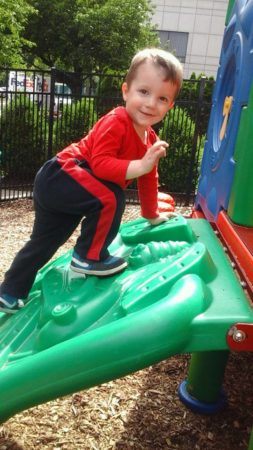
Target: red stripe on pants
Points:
(103, 194)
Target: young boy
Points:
(85, 182)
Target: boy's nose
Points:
(151, 101)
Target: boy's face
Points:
(149, 97)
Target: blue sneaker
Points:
(109, 266)
(10, 304)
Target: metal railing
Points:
(41, 112)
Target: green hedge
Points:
(22, 137)
(190, 94)
(74, 121)
(108, 93)
(178, 130)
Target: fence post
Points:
(195, 138)
(51, 113)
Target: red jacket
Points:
(109, 147)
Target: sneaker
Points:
(109, 266)
(10, 304)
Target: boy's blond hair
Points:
(173, 69)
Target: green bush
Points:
(108, 93)
(23, 138)
(73, 122)
(178, 171)
(190, 96)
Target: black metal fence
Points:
(43, 111)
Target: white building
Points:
(194, 29)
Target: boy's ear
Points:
(124, 89)
(171, 105)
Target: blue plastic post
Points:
(202, 391)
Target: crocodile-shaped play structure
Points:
(74, 333)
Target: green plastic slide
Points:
(178, 294)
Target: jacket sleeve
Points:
(148, 194)
(107, 144)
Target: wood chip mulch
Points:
(138, 412)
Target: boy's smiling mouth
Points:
(147, 114)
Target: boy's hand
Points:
(161, 218)
(140, 167)
(153, 154)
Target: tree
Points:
(85, 35)
(13, 18)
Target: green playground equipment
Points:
(179, 294)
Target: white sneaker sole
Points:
(99, 273)
(7, 310)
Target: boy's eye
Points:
(164, 99)
(143, 91)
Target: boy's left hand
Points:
(161, 218)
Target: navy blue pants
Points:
(64, 196)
